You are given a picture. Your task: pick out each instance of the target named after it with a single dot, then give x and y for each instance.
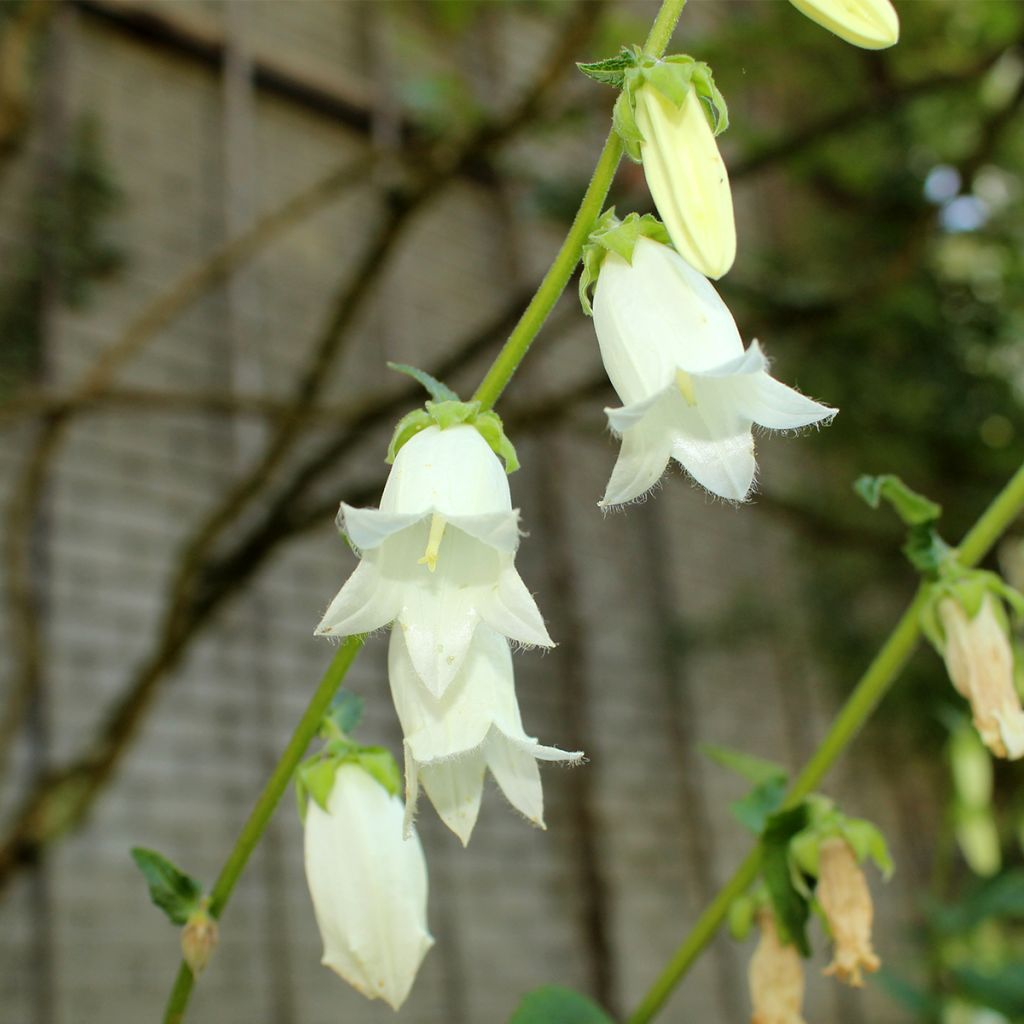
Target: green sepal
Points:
(790, 906)
(610, 234)
(625, 126)
(318, 779)
(827, 822)
(178, 895)
(492, 430)
(913, 508)
(408, 427)
(438, 391)
(741, 917)
(926, 551)
(380, 763)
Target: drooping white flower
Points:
(451, 741)
(979, 660)
(776, 977)
(845, 899)
(687, 178)
(369, 887)
(691, 393)
(871, 24)
(438, 556)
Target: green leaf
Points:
(1001, 989)
(174, 892)
(867, 840)
(610, 71)
(913, 508)
(1002, 896)
(346, 710)
(926, 550)
(790, 907)
(753, 769)
(438, 392)
(554, 1004)
(760, 803)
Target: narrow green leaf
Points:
(438, 392)
(554, 1004)
(174, 892)
(346, 711)
(760, 803)
(753, 769)
(610, 71)
(913, 508)
(790, 907)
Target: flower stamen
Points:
(437, 525)
(684, 382)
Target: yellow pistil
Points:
(437, 525)
(685, 384)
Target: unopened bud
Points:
(776, 977)
(979, 660)
(198, 940)
(846, 900)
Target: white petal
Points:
(510, 609)
(455, 789)
(451, 471)
(687, 179)
(726, 467)
(368, 528)
(436, 729)
(516, 772)
(872, 24)
(646, 449)
(365, 603)
(369, 887)
(776, 406)
(499, 530)
(655, 316)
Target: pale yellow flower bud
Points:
(776, 977)
(844, 897)
(871, 24)
(198, 941)
(979, 660)
(687, 178)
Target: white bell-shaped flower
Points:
(871, 24)
(438, 556)
(687, 178)
(689, 390)
(452, 741)
(369, 887)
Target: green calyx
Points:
(826, 821)
(451, 414)
(618, 236)
(968, 587)
(672, 76)
(314, 778)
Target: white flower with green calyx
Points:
(453, 740)
(438, 555)
(870, 24)
(367, 874)
(675, 357)
(965, 619)
(667, 115)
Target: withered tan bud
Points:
(846, 900)
(776, 976)
(198, 941)
(979, 660)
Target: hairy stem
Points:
(866, 696)
(265, 805)
(555, 280)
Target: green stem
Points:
(869, 691)
(253, 829)
(559, 273)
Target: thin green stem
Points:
(559, 273)
(268, 800)
(869, 691)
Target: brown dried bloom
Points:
(844, 897)
(776, 976)
(198, 941)
(979, 660)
